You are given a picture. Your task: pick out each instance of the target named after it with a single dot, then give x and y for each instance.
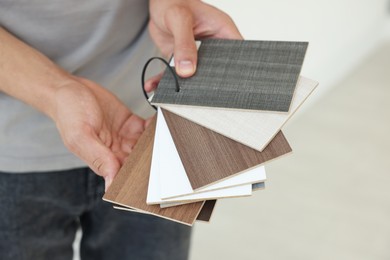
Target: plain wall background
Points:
(330, 198)
(341, 33)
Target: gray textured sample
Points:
(254, 75)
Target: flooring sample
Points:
(174, 204)
(160, 148)
(207, 211)
(129, 187)
(174, 183)
(154, 190)
(209, 157)
(238, 74)
(154, 194)
(128, 209)
(255, 187)
(258, 186)
(204, 214)
(252, 128)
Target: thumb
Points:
(99, 158)
(179, 22)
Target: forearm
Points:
(28, 75)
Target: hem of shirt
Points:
(42, 164)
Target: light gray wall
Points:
(342, 33)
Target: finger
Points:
(148, 121)
(105, 137)
(179, 22)
(134, 126)
(160, 39)
(121, 156)
(151, 84)
(87, 146)
(230, 31)
(128, 144)
(117, 149)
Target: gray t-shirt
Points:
(105, 41)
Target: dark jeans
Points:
(41, 212)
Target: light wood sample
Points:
(252, 128)
(209, 157)
(129, 187)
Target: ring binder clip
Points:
(168, 66)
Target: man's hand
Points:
(175, 24)
(93, 123)
(96, 126)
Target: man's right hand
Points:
(96, 126)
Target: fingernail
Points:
(107, 182)
(186, 68)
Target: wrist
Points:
(52, 95)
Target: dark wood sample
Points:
(207, 210)
(129, 187)
(238, 74)
(209, 157)
(204, 214)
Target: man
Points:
(55, 58)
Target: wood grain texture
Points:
(209, 157)
(252, 128)
(204, 214)
(207, 211)
(238, 74)
(129, 187)
(162, 162)
(168, 178)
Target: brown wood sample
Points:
(207, 211)
(209, 157)
(129, 187)
(204, 215)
